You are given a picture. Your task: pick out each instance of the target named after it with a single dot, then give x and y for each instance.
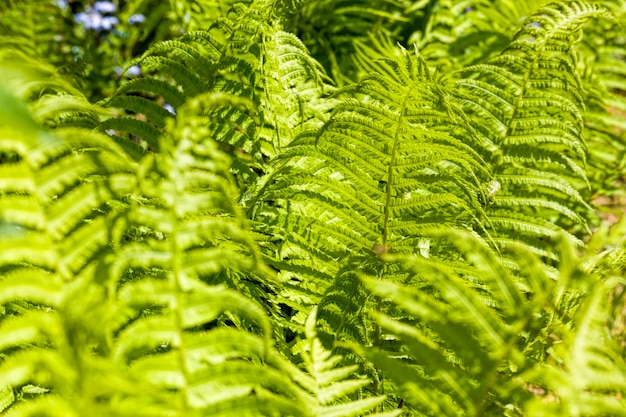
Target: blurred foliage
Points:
(93, 51)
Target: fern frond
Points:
(330, 27)
(587, 374)
(283, 86)
(603, 66)
(60, 186)
(456, 336)
(381, 176)
(330, 382)
(294, 85)
(157, 316)
(197, 62)
(57, 192)
(180, 325)
(530, 106)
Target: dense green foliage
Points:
(312, 208)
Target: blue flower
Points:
(169, 108)
(92, 20)
(104, 7)
(89, 20)
(82, 18)
(108, 22)
(134, 70)
(77, 53)
(136, 18)
(62, 4)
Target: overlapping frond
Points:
(138, 289)
(61, 187)
(604, 67)
(329, 28)
(331, 386)
(392, 164)
(181, 330)
(215, 60)
(242, 54)
(186, 192)
(507, 347)
(528, 104)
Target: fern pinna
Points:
(236, 231)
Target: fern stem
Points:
(390, 176)
(385, 231)
(377, 335)
(177, 256)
